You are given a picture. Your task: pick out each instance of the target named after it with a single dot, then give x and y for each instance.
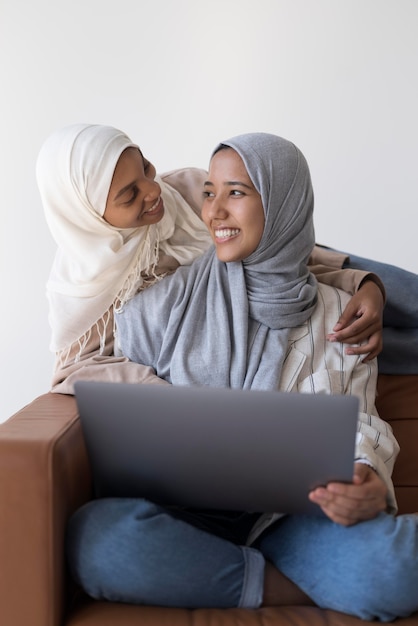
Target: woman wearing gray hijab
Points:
(249, 314)
(250, 304)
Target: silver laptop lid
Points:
(216, 448)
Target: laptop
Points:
(204, 447)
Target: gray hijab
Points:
(227, 324)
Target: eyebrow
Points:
(124, 190)
(229, 183)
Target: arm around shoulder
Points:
(89, 362)
(189, 183)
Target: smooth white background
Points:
(338, 77)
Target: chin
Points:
(227, 258)
(154, 219)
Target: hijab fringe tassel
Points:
(135, 282)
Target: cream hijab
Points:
(98, 266)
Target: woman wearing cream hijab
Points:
(99, 266)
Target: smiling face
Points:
(232, 208)
(134, 198)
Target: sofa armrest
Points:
(44, 477)
(397, 403)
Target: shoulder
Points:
(322, 255)
(330, 293)
(330, 304)
(188, 181)
(331, 300)
(184, 174)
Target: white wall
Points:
(338, 77)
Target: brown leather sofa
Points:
(44, 477)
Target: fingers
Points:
(372, 348)
(365, 331)
(348, 511)
(350, 313)
(349, 504)
(337, 509)
(371, 345)
(361, 321)
(365, 321)
(355, 333)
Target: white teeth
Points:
(154, 205)
(226, 232)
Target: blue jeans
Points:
(400, 315)
(369, 570)
(134, 551)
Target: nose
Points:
(215, 208)
(152, 190)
